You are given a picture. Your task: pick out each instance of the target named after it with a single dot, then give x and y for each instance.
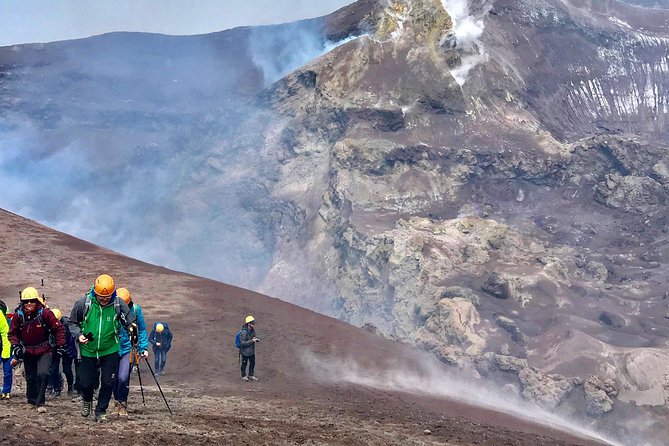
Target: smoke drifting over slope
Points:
(431, 379)
(278, 51)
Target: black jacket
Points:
(248, 347)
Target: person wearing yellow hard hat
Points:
(69, 354)
(247, 348)
(29, 333)
(161, 341)
(95, 323)
(138, 340)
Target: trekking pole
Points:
(135, 356)
(158, 384)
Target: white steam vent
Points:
(467, 30)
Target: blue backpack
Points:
(238, 338)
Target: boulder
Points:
(600, 394)
(462, 292)
(637, 194)
(503, 286)
(597, 271)
(509, 325)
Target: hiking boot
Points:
(253, 378)
(41, 409)
(122, 409)
(5, 396)
(70, 391)
(101, 417)
(56, 393)
(86, 408)
(244, 378)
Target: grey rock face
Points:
(599, 394)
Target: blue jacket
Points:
(165, 337)
(124, 336)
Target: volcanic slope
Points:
(289, 405)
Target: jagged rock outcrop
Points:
(599, 395)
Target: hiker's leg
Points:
(163, 361)
(122, 379)
(54, 373)
(8, 375)
(43, 365)
(252, 364)
(156, 360)
(108, 368)
(30, 369)
(77, 375)
(86, 377)
(244, 361)
(67, 371)
(96, 384)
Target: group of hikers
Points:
(104, 337)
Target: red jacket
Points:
(34, 332)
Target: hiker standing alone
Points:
(248, 340)
(95, 322)
(161, 341)
(29, 335)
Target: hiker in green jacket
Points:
(95, 322)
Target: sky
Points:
(32, 21)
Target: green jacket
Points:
(104, 323)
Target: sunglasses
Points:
(31, 301)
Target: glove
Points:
(145, 354)
(60, 351)
(17, 352)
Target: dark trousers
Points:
(37, 375)
(67, 371)
(159, 359)
(55, 379)
(252, 364)
(88, 369)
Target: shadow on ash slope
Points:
(431, 380)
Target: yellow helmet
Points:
(159, 328)
(104, 285)
(124, 294)
(31, 293)
(56, 312)
(249, 319)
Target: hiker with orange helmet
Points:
(29, 335)
(248, 340)
(95, 322)
(137, 340)
(161, 341)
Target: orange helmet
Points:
(104, 285)
(124, 294)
